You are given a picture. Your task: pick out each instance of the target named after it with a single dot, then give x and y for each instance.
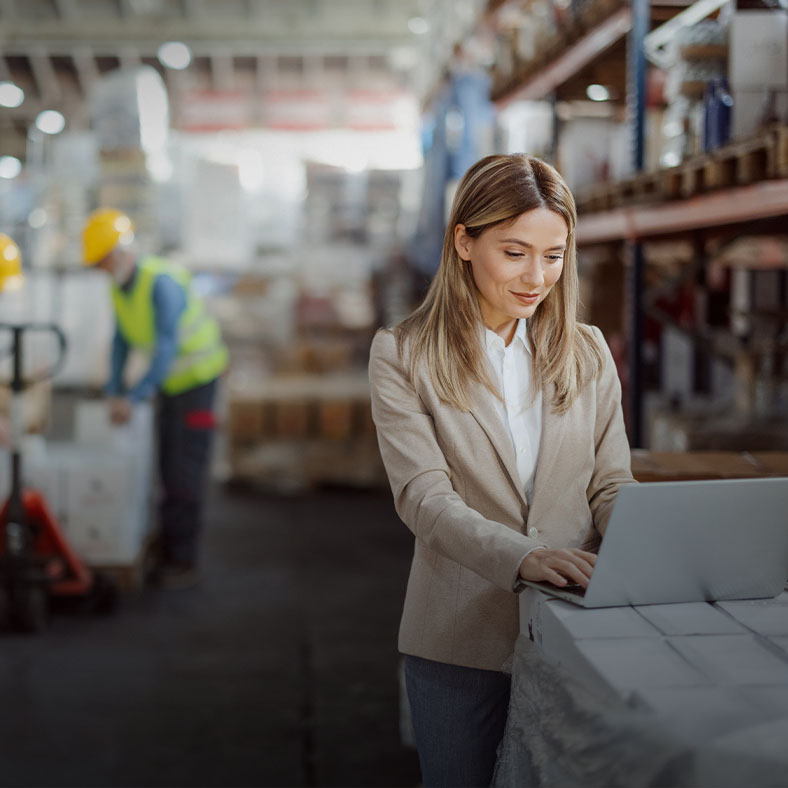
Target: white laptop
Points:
(689, 542)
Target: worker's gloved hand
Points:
(120, 410)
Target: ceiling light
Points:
(11, 95)
(598, 93)
(418, 25)
(50, 121)
(175, 54)
(10, 166)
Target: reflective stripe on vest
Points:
(202, 356)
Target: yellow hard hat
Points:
(10, 264)
(103, 231)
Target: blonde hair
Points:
(444, 331)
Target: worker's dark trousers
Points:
(186, 426)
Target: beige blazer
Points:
(455, 483)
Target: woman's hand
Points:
(559, 567)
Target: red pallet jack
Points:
(36, 562)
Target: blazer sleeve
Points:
(612, 465)
(420, 478)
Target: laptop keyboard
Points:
(573, 588)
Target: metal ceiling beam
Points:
(222, 71)
(572, 60)
(129, 57)
(67, 9)
(105, 37)
(44, 74)
(193, 9)
(126, 9)
(103, 47)
(86, 68)
(266, 72)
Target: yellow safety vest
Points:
(202, 356)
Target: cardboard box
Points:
(110, 476)
(758, 53)
(573, 638)
(697, 714)
(781, 643)
(752, 106)
(291, 418)
(104, 504)
(103, 523)
(245, 420)
(768, 617)
(335, 419)
(773, 700)
(691, 618)
(733, 659)
(629, 664)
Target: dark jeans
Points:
(459, 715)
(186, 427)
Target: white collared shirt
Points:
(520, 411)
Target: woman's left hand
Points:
(559, 567)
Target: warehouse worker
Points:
(10, 279)
(157, 311)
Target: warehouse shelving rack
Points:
(736, 188)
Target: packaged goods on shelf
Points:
(129, 109)
(759, 50)
(756, 108)
(216, 230)
(85, 316)
(689, 432)
(364, 207)
(303, 430)
(593, 150)
(259, 309)
(700, 55)
(663, 466)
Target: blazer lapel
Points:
(487, 415)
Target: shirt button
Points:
(533, 533)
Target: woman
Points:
(500, 426)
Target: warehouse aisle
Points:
(279, 670)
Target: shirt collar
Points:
(495, 342)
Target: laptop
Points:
(689, 541)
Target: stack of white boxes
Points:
(99, 486)
(714, 674)
(758, 68)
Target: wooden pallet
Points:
(131, 578)
(761, 157)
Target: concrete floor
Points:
(279, 670)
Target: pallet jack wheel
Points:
(29, 608)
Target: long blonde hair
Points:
(444, 331)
